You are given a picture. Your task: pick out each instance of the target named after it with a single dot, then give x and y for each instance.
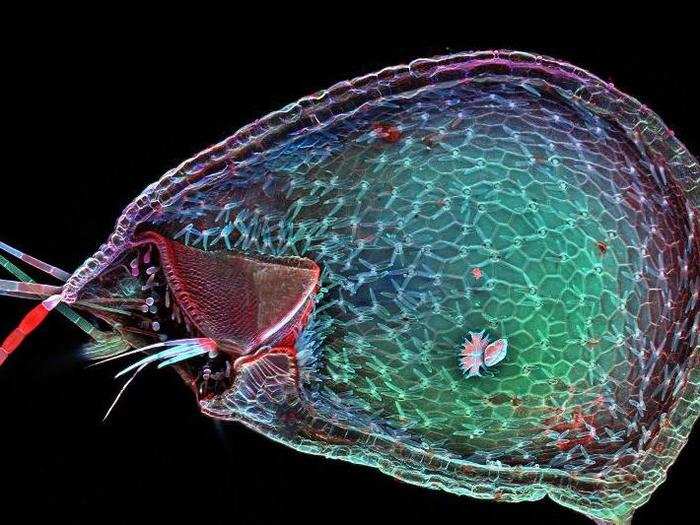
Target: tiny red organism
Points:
(387, 132)
(477, 273)
(477, 353)
(602, 247)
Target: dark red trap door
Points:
(243, 299)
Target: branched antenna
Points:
(64, 309)
(59, 274)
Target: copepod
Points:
(311, 275)
(477, 353)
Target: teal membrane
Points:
(495, 192)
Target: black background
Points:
(92, 115)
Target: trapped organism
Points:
(332, 274)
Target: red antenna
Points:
(27, 325)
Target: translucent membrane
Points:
(497, 192)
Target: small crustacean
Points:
(477, 353)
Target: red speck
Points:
(578, 421)
(386, 132)
(568, 444)
(477, 273)
(602, 247)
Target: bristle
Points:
(184, 356)
(105, 348)
(178, 348)
(28, 290)
(121, 392)
(36, 263)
